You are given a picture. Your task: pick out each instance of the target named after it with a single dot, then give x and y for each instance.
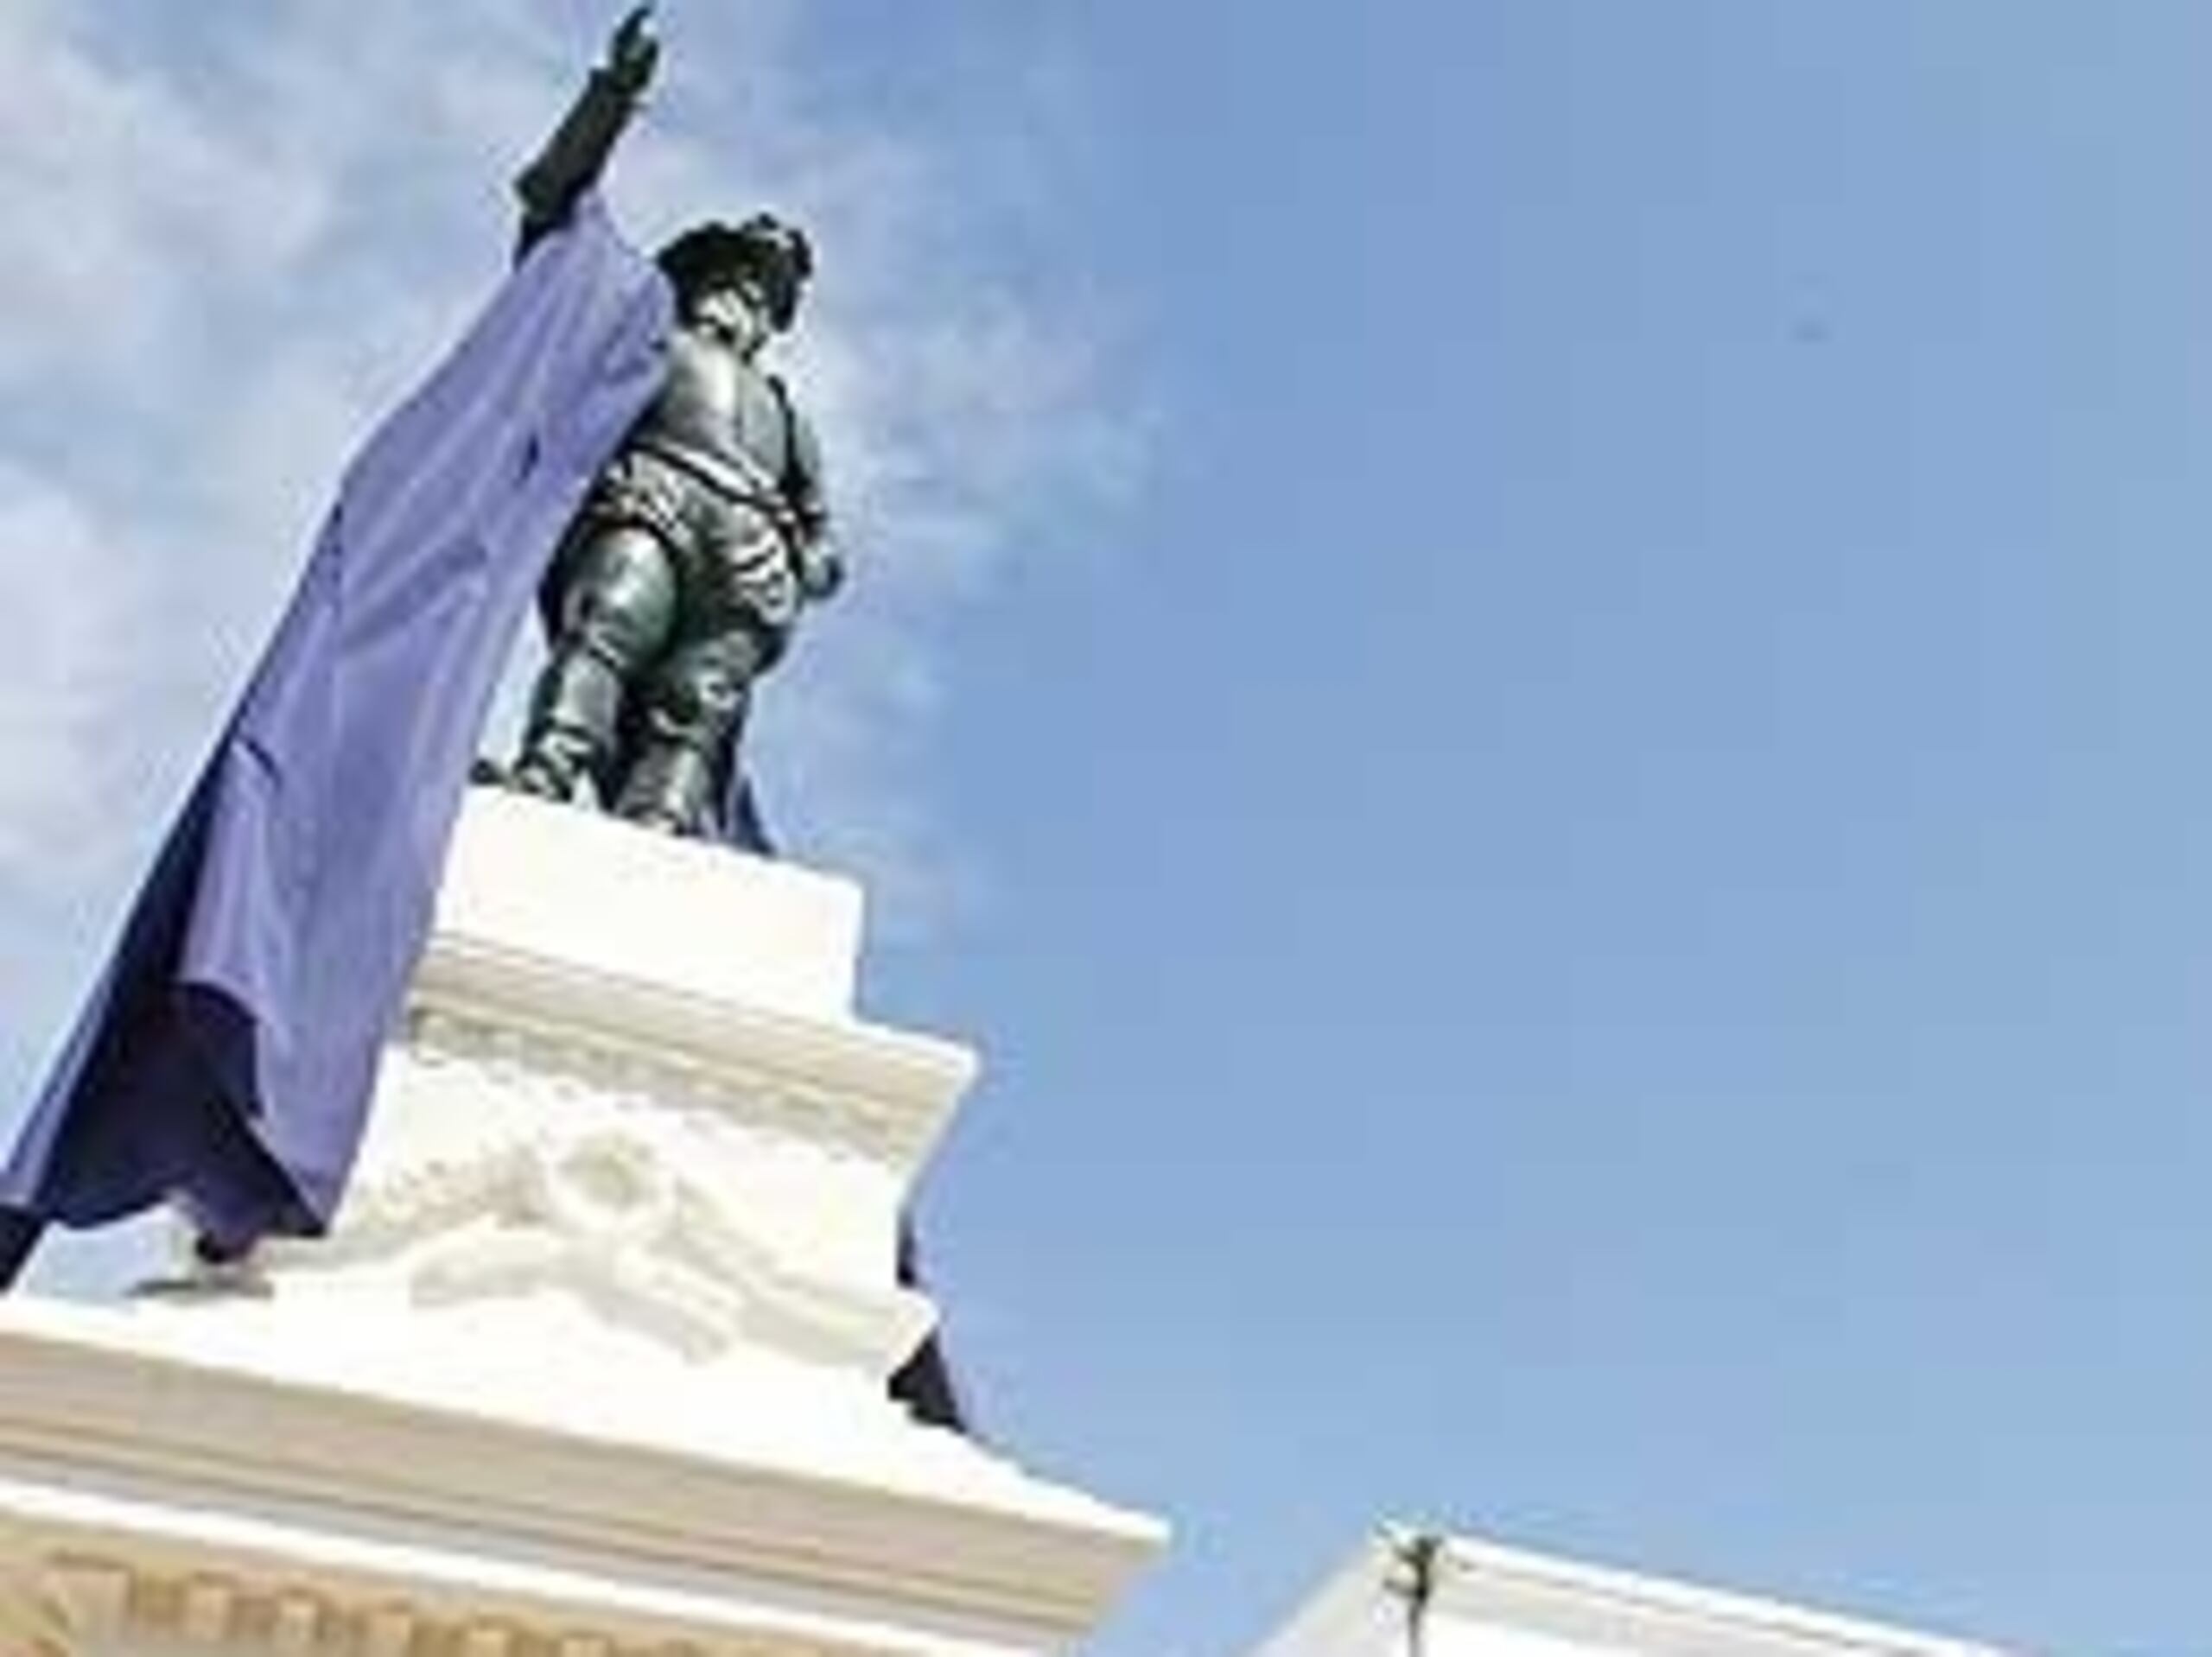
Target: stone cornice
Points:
(98, 1427)
(1487, 1583)
(891, 1091)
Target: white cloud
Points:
(122, 202)
(66, 722)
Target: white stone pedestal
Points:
(593, 1364)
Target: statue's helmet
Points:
(773, 257)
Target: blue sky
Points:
(1530, 668)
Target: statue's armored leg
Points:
(689, 732)
(616, 605)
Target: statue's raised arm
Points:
(576, 153)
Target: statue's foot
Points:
(660, 823)
(670, 789)
(538, 777)
(212, 1273)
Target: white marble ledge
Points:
(805, 1501)
(475, 999)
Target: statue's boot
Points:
(573, 712)
(673, 788)
(689, 727)
(616, 601)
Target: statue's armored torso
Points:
(715, 402)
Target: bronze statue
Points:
(703, 537)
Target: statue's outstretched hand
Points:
(634, 51)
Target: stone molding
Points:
(886, 1092)
(663, 1218)
(123, 1439)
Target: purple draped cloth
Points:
(225, 1059)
